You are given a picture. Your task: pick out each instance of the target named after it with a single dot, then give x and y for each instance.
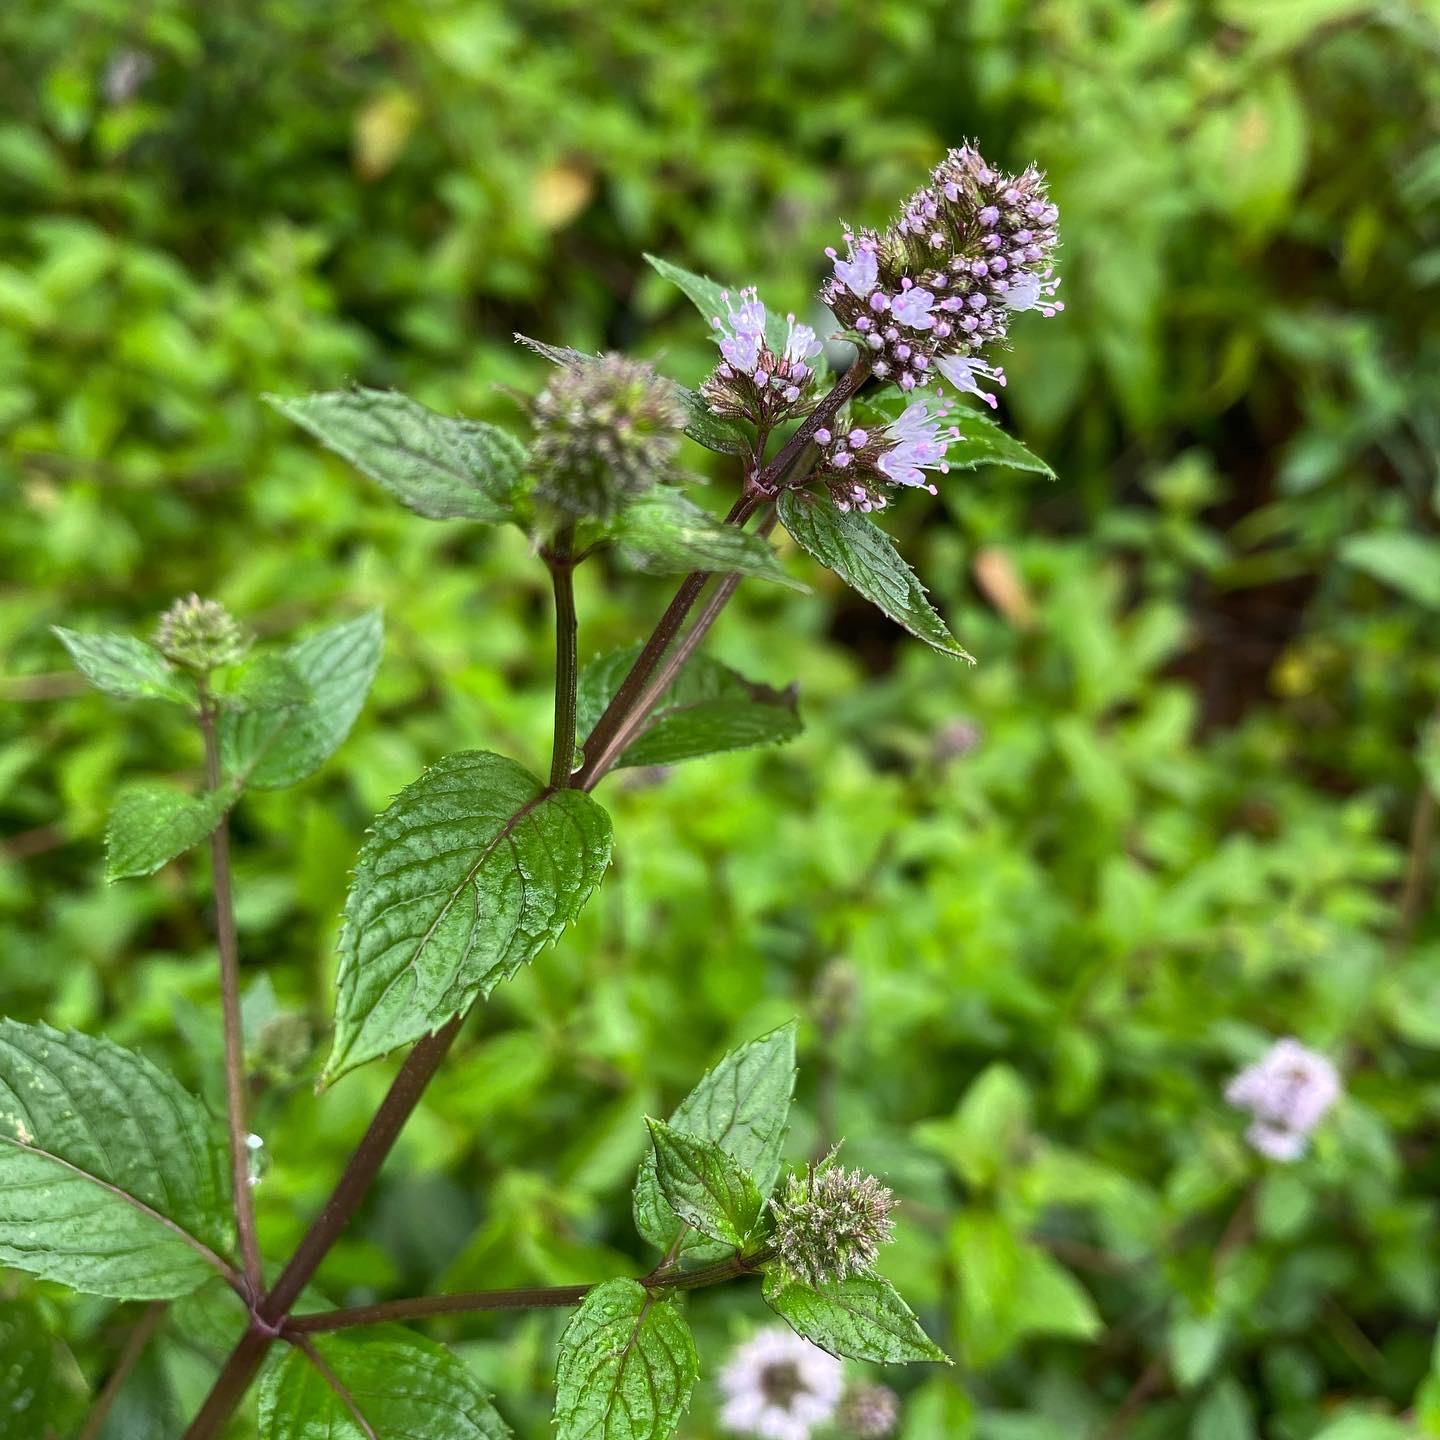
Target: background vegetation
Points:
(1035, 913)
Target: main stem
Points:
(404, 1094)
(235, 1094)
(268, 1318)
(561, 560)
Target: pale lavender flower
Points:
(859, 463)
(778, 1386)
(741, 332)
(752, 381)
(861, 272)
(965, 372)
(911, 308)
(1288, 1091)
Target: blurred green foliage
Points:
(1047, 906)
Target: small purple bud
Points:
(879, 301)
(840, 460)
(920, 362)
(979, 269)
(863, 323)
(989, 217)
(822, 436)
(857, 438)
(902, 352)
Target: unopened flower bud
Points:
(831, 1222)
(868, 1411)
(200, 634)
(605, 431)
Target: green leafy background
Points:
(1062, 895)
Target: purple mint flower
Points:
(919, 440)
(1031, 291)
(912, 308)
(861, 272)
(742, 331)
(1288, 1091)
(965, 373)
(802, 345)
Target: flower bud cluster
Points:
(831, 1222)
(868, 1411)
(751, 381)
(939, 286)
(200, 634)
(605, 431)
(858, 463)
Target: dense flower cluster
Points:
(939, 286)
(200, 634)
(779, 1387)
(831, 1222)
(857, 463)
(868, 1411)
(606, 429)
(1288, 1091)
(752, 381)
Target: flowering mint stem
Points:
(135, 1344)
(538, 1298)
(601, 750)
(600, 753)
(404, 1094)
(670, 666)
(229, 945)
(560, 558)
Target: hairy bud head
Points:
(606, 430)
(831, 1222)
(868, 1411)
(200, 634)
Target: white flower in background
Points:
(779, 1387)
(1288, 1091)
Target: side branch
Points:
(538, 1298)
(229, 945)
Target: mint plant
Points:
(115, 1181)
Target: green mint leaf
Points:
(706, 296)
(386, 1384)
(627, 1366)
(150, 824)
(125, 667)
(742, 1106)
(463, 879)
(439, 467)
(113, 1180)
(663, 533)
(862, 1318)
(1407, 562)
(708, 708)
(272, 748)
(704, 1186)
(865, 558)
(720, 433)
(37, 1400)
(264, 682)
(982, 441)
